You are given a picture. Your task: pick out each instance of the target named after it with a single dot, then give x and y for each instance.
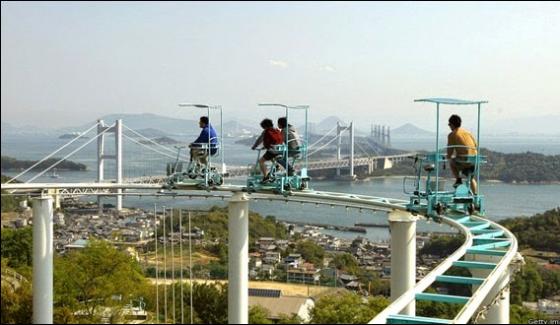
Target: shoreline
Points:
(494, 181)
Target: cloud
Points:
(327, 68)
(278, 63)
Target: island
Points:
(9, 163)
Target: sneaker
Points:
(266, 180)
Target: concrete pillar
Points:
(55, 194)
(403, 256)
(57, 198)
(387, 163)
(499, 312)
(100, 165)
(118, 157)
(43, 260)
(238, 259)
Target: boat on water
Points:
(54, 174)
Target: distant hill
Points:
(152, 133)
(327, 124)
(167, 125)
(161, 140)
(9, 163)
(524, 168)
(411, 130)
(8, 129)
(235, 127)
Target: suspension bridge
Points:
(489, 251)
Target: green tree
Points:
(539, 232)
(258, 315)
(311, 252)
(346, 263)
(522, 315)
(285, 319)
(348, 308)
(527, 284)
(9, 203)
(16, 303)
(17, 246)
(91, 278)
(442, 245)
(210, 303)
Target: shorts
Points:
(464, 167)
(269, 155)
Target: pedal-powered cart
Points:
(429, 196)
(201, 171)
(279, 179)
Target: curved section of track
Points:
(482, 238)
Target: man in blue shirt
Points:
(199, 148)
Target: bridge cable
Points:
(320, 139)
(150, 140)
(323, 146)
(363, 150)
(52, 154)
(372, 148)
(147, 167)
(146, 146)
(67, 156)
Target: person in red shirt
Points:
(269, 137)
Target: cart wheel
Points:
(471, 209)
(439, 209)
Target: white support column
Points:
(338, 145)
(499, 312)
(238, 259)
(351, 150)
(119, 162)
(43, 260)
(100, 160)
(403, 256)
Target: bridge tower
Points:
(339, 130)
(101, 157)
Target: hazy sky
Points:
(69, 63)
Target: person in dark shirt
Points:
(207, 138)
(269, 137)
